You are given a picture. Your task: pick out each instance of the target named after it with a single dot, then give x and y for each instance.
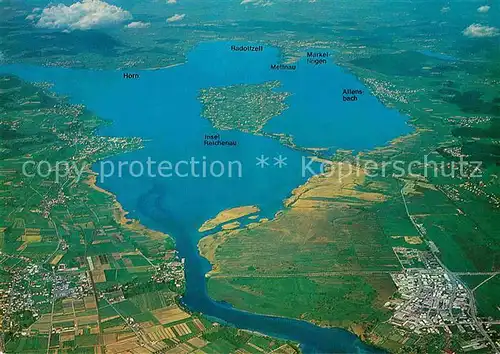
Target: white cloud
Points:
(171, 1)
(479, 31)
(176, 17)
(31, 17)
(138, 24)
(83, 15)
(256, 2)
(445, 9)
(483, 9)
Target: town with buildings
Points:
(433, 300)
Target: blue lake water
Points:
(320, 117)
(439, 56)
(162, 107)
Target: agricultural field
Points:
(487, 298)
(343, 300)
(70, 260)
